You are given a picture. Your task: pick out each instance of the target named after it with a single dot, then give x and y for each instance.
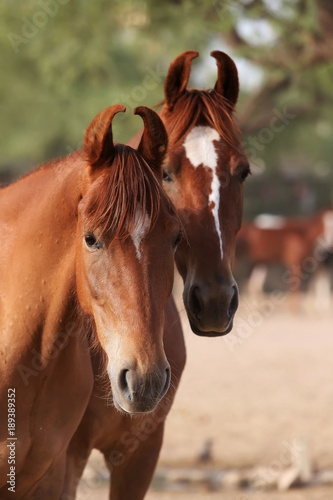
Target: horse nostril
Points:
(123, 384)
(167, 382)
(196, 303)
(233, 303)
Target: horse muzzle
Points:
(136, 392)
(211, 310)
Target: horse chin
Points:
(133, 412)
(133, 408)
(211, 333)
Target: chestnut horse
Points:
(91, 235)
(203, 175)
(299, 243)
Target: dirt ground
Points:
(300, 494)
(309, 494)
(253, 393)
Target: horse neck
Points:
(46, 187)
(38, 214)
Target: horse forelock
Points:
(206, 106)
(126, 194)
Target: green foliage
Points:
(81, 58)
(64, 61)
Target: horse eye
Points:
(166, 176)
(244, 174)
(91, 241)
(178, 239)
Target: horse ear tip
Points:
(121, 108)
(139, 109)
(107, 114)
(113, 110)
(223, 57)
(217, 54)
(189, 55)
(115, 107)
(192, 54)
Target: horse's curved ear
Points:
(154, 140)
(227, 83)
(98, 140)
(177, 77)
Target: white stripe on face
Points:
(200, 150)
(141, 224)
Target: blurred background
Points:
(64, 61)
(266, 390)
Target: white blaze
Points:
(200, 150)
(141, 224)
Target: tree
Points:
(65, 61)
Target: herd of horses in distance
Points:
(92, 349)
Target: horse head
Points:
(126, 238)
(204, 171)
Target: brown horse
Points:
(301, 244)
(203, 174)
(93, 236)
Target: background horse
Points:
(203, 175)
(300, 244)
(92, 235)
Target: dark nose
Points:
(233, 306)
(142, 392)
(212, 310)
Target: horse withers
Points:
(88, 258)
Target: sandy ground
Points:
(309, 494)
(254, 392)
(299, 494)
(268, 382)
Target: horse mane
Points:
(126, 191)
(207, 106)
